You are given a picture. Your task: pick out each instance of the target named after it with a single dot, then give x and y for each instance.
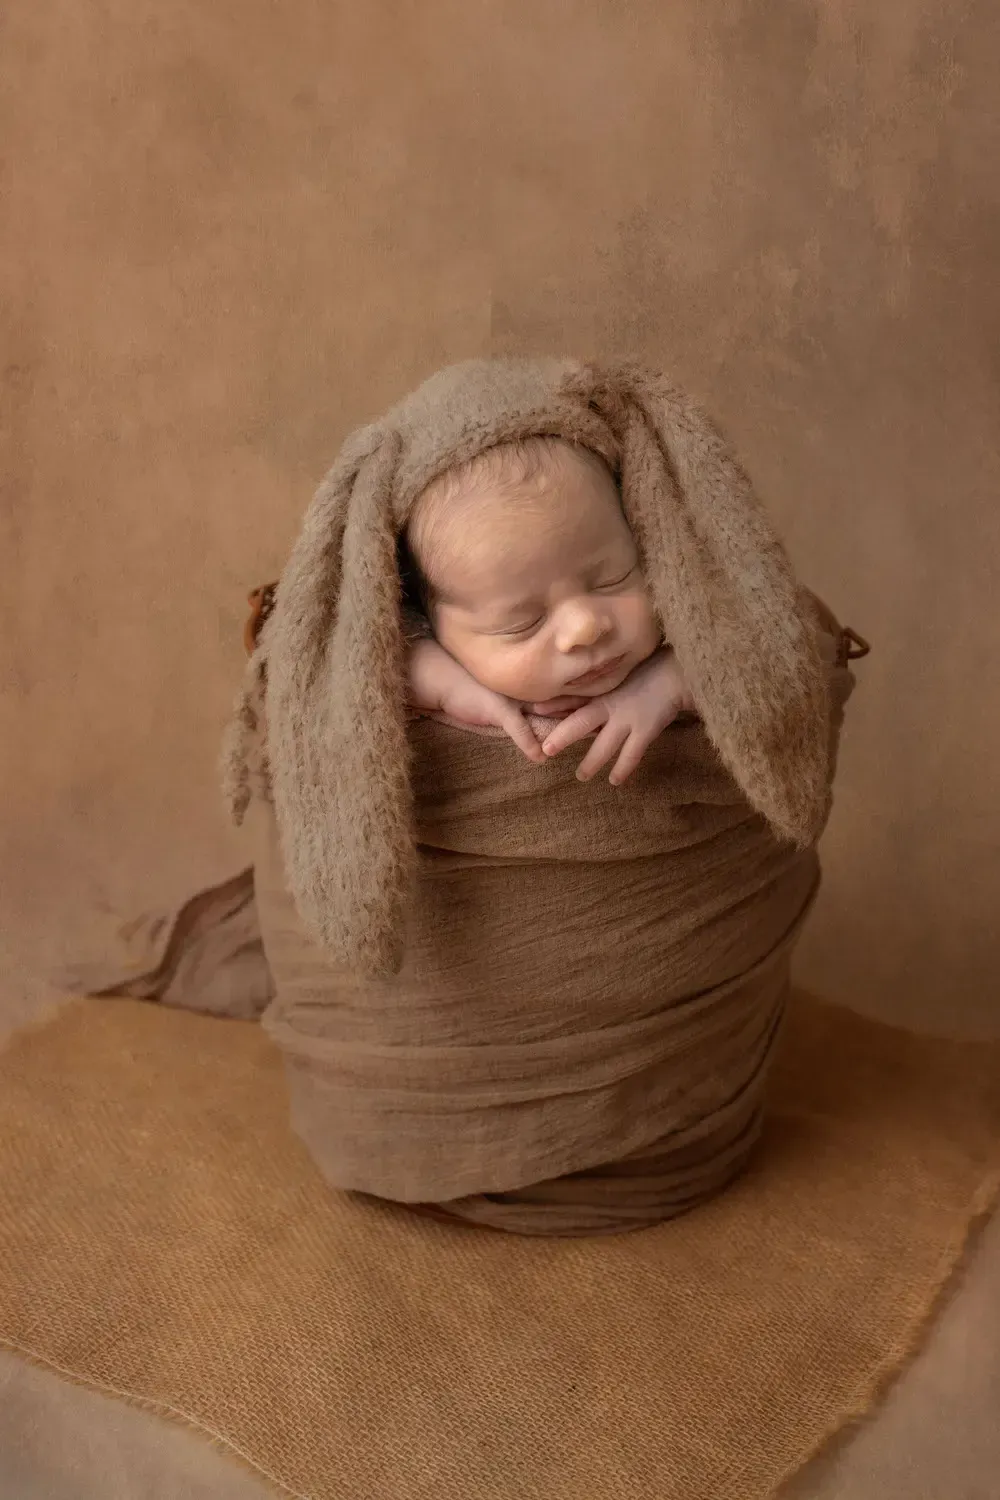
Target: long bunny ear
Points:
(335, 718)
(725, 590)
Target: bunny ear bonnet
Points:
(744, 631)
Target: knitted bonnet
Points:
(333, 658)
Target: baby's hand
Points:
(633, 715)
(439, 684)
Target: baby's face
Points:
(543, 596)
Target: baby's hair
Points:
(519, 468)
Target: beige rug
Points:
(163, 1236)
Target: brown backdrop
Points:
(234, 230)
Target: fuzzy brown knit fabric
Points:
(745, 634)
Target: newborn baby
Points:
(524, 566)
(546, 1007)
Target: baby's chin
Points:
(528, 693)
(602, 685)
(612, 681)
(579, 695)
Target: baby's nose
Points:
(579, 625)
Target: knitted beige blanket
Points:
(164, 1237)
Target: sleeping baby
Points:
(506, 987)
(524, 566)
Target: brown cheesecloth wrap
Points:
(549, 1005)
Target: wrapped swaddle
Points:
(547, 1005)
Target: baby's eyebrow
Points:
(520, 606)
(498, 607)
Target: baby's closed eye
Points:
(522, 630)
(616, 583)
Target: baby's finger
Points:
(521, 732)
(607, 744)
(576, 727)
(635, 748)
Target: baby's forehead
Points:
(523, 490)
(474, 544)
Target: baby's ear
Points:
(336, 718)
(724, 588)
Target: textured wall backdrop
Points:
(233, 231)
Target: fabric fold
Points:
(205, 955)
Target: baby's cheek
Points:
(652, 624)
(638, 622)
(490, 665)
(518, 672)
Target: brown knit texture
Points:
(333, 650)
(163, 1236)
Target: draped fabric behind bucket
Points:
(185, 1253)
